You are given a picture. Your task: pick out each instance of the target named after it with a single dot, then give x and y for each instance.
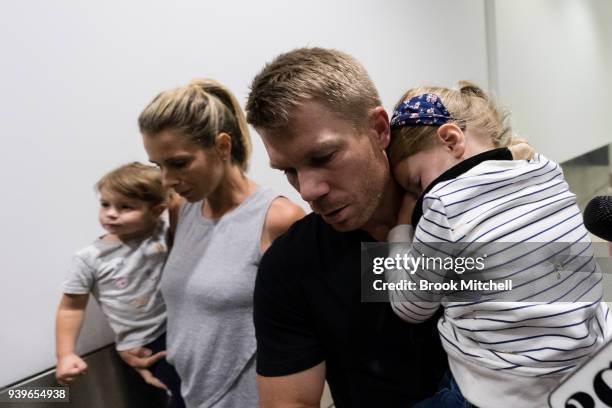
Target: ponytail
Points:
(469, 89)
(469, 105)
(493, 120)
(241, 140)
(200, 111)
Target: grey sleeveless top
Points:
(208, 284)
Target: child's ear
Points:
(158, 209)
(453, 139)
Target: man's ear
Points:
(223, 146)
(379, 124)
(453, 139)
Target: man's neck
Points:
(385, 215)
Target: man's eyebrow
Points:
(321, 148)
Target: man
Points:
(322, 124)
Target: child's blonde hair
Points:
(136, 181)
(469, 105)
(200, 111)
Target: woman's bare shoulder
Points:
(281, 215)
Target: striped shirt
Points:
(511, 347)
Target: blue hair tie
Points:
(421, 110)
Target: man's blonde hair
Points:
(330, 77)
(469, 105)
(200, 111)
(136, 181)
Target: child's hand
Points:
(404, 215)
(69, 368)
(521, 150)
(150, 379)
(140, 358)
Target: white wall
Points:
(75, 75)
(554, 68)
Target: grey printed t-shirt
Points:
(124, 279)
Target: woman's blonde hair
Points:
(469, 105)
(200, 111)
(136, 181)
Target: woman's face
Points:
(191, 170)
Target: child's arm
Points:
(67, 327)
(412, 306)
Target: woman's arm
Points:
(68, 324)
(281, 215)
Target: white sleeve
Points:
(416, 306)
(402, 233)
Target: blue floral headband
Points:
(421, 110)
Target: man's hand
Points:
(69, 367)
(404, 215)
(140, 359)
(521, 150)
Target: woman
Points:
(223, 223)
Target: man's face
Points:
(339, 170)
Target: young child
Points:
(467, 197)
(122, 269)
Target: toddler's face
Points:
(414, 173)
(125, 217)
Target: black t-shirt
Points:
(308, 310)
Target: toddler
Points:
(122, 269)
(465, 196)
